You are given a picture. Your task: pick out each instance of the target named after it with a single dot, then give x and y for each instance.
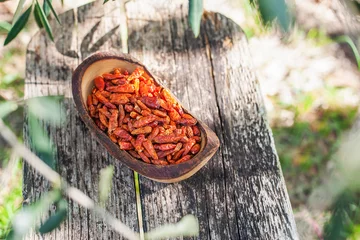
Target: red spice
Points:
(143, 118)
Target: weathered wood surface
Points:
(79, 157)
(239, 194)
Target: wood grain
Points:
(79, 157)
(239, 194)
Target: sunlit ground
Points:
(310, 88)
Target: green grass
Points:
(308, 144)
(11, 80)
(10, 201)
(344, 222)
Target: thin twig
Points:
(73, 193)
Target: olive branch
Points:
(43, 12)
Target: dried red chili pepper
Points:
(113, 121)
(134, 154)
(183, 159)
(104, 100)
(167, 138)
(89, 101)
(144, 121)
(146, 153)
(125, 145)
(154, 133)
(187, 122)
(196, 130)
(92, 110)
(195, 149)
(162, 154)
(145, 113)
(95, 101)
(99, 83)
(150, 148)
(188, 146)
(189, 132)
(197, 138)
(105, 93)
(109, 76)
(126, 88)
(174, 115)
(151, 102)
(105, 112)
(103, 120)
(130, 107)
(120, 81)
(119, 99)
(160, 162)
(165, 147)
(122, 134)
(144, 158)
(121, 114)
(138, 142)
(159, 113)
(178, 154)
(143, 130)
(142, 105)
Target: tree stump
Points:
(239, 194)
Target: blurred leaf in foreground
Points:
(46, 7)
(188, 226)
(105, 183)
(42, 145)
(5, 26)
(26, 219)
(6, 108)
(195, 13)
(47, 108)
(271, 10)
(56, 219)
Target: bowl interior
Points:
(98, 68)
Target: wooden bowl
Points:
(82, 84)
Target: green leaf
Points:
(195, 13)
(25, 220)
(105, 1)
(18, 10)
(46, 7)
(18, 26)
(55, 220)
(53, 11)
(44, 20)
(6, 108)
(348, 40)
(37, 18)
(105, 183)
(41, 143)
(9, 78)
(5, 26)
(275, 9)
(188, 226)
(47, 108)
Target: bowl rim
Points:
(173, 172)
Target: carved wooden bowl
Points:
(82, 84)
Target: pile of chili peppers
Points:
(143, 118)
